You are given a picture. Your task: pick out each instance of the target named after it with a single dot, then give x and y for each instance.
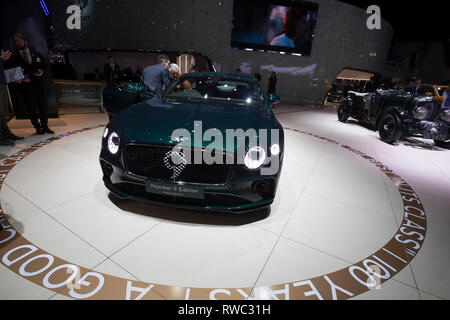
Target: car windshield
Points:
(441, 90)
(219, 89)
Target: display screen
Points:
(272, 25)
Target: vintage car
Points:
(432, 90)
(396, 114)
(144, 156)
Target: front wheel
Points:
(343, 112)
(390, 128)
(442, 144)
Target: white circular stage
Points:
(334, 230)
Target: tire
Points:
(344, 112)
(390, 128)
(442, 144)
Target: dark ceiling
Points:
(413, 20)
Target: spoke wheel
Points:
(343, 112)
(390, 128)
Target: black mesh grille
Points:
(221, 200)
(107, 168)
(148, 161)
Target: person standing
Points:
(272, 87)
(138, 74)
(32, 87)
(97, 75)
(157, 76)
(446, 99)
(272, 84)
(6, 136)
(111, 71)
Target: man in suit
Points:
(413, 86)
(371, 85)
(6, 136)
(32, 87)
(157, 75)
(111, 71)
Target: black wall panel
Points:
(342, 39)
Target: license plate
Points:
(184, 191)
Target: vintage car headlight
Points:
(424, 108)
(445, 115)
(255, 158)
(105, 133)
(275, 149)
(113, 143)
(421, 112)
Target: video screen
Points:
(272, 25)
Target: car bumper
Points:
(439, 130)
(238, 195)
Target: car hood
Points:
(153, 121)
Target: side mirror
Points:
(274, 99)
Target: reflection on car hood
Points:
(154, 120)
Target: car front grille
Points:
(151, 161)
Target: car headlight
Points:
(421, 112)
(275, 149)
(445, 115)
(105, 133)
(113, 143)
(255, 158)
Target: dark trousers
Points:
(4, 106)
(36, 102)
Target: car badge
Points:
(179, 139)
(175, 161)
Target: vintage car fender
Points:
(400, 111)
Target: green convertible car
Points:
(209, 142)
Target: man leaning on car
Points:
(157, 75)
